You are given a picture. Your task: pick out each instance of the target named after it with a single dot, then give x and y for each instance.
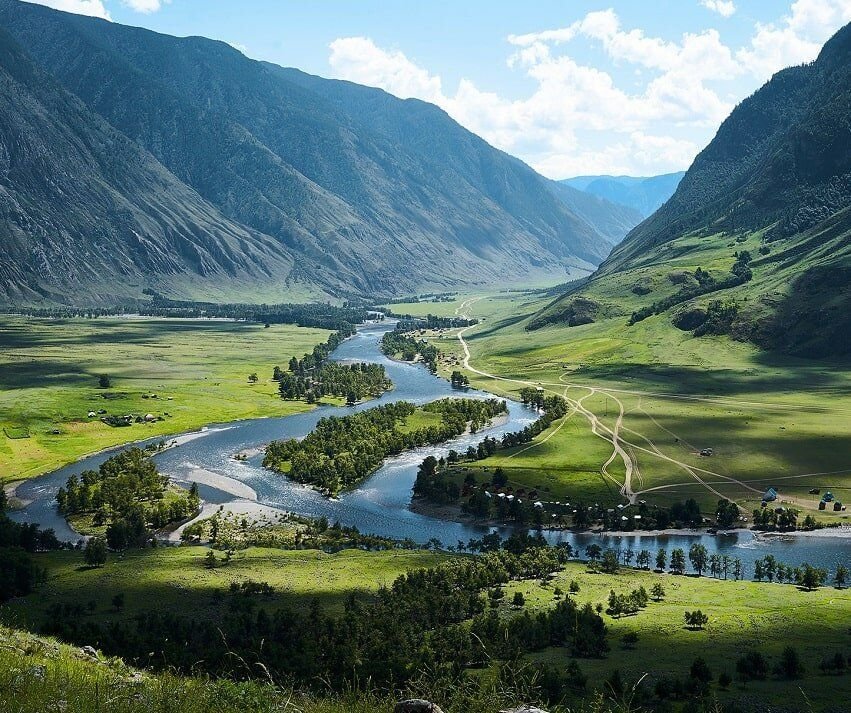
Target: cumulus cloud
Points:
(577, 118)
(725, 8)
(94, 8)
(796, 38)
(360, 60)
(145, 6)
(669, 98)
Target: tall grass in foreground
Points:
(40, 675)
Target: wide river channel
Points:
(380, 505)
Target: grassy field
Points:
(198, 370)
(664, 395)
(742, 616)
(39, 674)
(175, 578)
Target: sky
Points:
(571, 87)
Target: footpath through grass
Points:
(197, 369)
(769, 420)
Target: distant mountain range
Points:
(643, 194)
(133, 160)
(764, 212)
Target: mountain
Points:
(79, 202)
(756, 240)
(351, 190)
(642, 194)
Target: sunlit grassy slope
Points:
(771, 420)
(198, 370)
(176, 579)
(742, 616)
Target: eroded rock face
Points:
(417, 705)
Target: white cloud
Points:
(358, 59)
(796, 38)
(576, 119)
(94, 8)
(669, 98)
(725, 8)
(145, 6)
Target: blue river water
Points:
(380, 505)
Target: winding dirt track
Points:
(622, 449)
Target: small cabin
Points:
(822, 505)
(837, 506)
(770, 495)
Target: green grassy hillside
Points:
(742, 616)
(666, 394)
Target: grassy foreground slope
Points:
(742, 616)
(175, 578)
(40, 674)
(198, 370)
(663, 395)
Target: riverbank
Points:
(454, 513)
(188, 373)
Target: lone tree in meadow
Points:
(610, 562)
(657, 591)
(104, 381)
(696, 619)
(94, 554)
(790, 665)
(841, 576)
(810, 577)
(661, 559)
(118, 601)
(593, 552)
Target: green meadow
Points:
(176, 578)
(197, 370)
(742, 616)
(664, 396)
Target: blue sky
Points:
(570, 87)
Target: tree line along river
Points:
(380, 504)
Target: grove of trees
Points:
(341, 451)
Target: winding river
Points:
(380, 505)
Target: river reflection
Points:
(380, 504)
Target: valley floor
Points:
(187, 373)
(646, 400)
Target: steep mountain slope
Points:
(643, 194)
(420, 127)
(756, 241)
(371, 194)
(84, 208)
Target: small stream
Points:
(379, 505)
